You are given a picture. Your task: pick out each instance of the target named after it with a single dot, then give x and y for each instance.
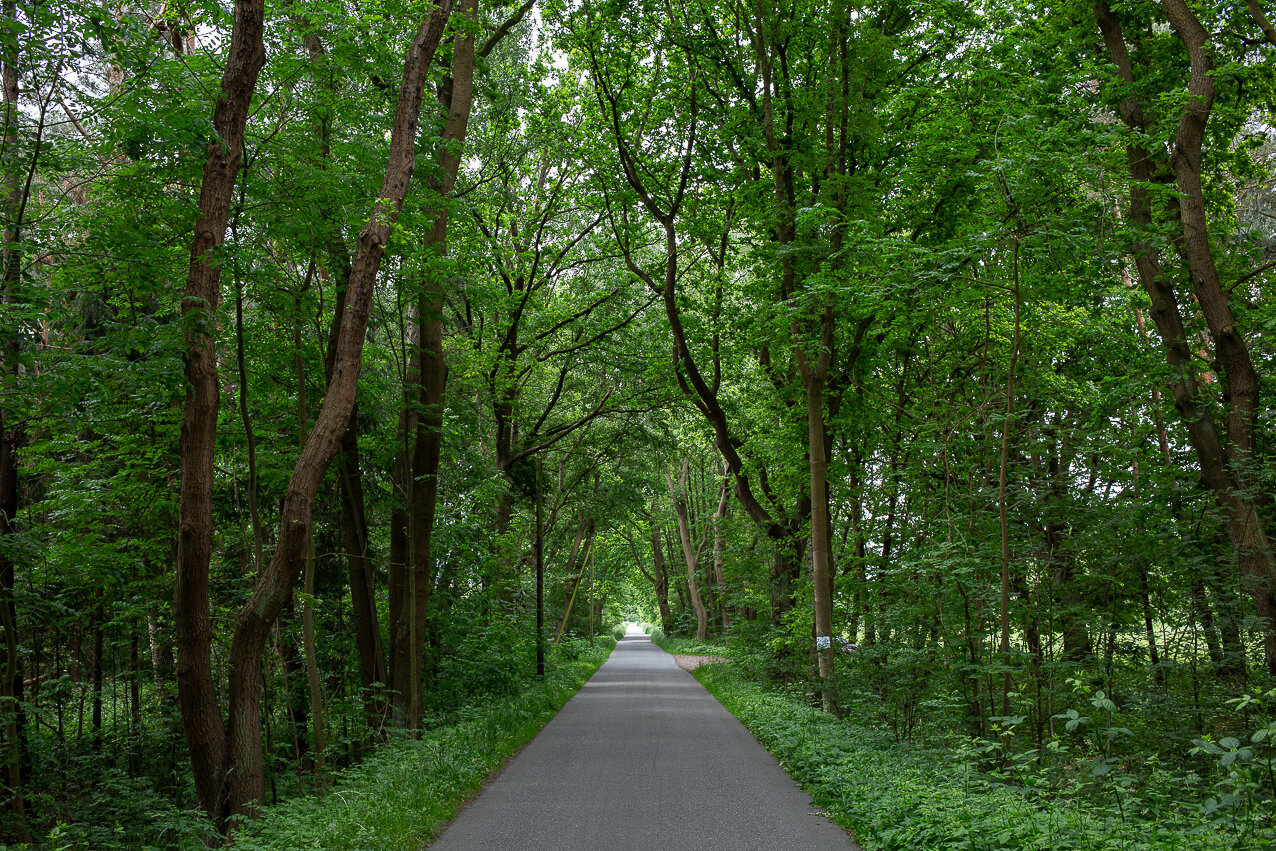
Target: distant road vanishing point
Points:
(642, 759)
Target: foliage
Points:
(891, 796)
(673, 644)
(1034, 574)
(403, 795)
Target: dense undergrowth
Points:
(970, 793)
(401, 797)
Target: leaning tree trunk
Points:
(244, 770)
(1226, 456)
(197, 694)
(580, 546)
(1245, 526)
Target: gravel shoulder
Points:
(689, 663)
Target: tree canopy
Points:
(345, 343)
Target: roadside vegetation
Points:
(917, 355)
(1092, 786)
(404, 795)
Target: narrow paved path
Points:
(642, 759)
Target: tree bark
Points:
(1226, 457)
(1002, 514)
(244, 776)
(354, 525)
(197, 694)
(313, 684)
(660, 579)
(250, 439)
(409, 633)
(585, 537)
(690, 553)
(720, 555)
(1077, 646)
(814, 380)
(10, 442)
(1205, 617)
(363, 603)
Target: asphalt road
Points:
(642, 759)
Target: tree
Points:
(1226, 454)
(229, 771)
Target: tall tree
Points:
(1225, 439)
(197, 693)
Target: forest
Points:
(360, 360)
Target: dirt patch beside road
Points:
(690, 663)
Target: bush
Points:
(480, 661)
(893, 797)
(403, 795)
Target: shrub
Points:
(402, 796)
(894, 797)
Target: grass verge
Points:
(689, 646)
(891, 797)
(401, 797)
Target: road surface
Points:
(642, 759)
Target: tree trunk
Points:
(135, 698)
(720, 554)
(294, 695)
(244, 769)
(814, 377)
(360, 571)
(313, 684)
(250, 439)
(593, 612)
(1227, 456)
(363, 602)
(540, 571)
(95, 679)
(1002, 515)
(785, 571)
(661, 579)
(1223, 584)
(197, 694)
(1149, 633)
(585, 537)
(1246, 528)
(408, 639)
(1205, 617)
(10, 441)
(690, 553)
(1077, 646)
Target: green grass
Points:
(676, 644)
(400, 798)
(893, 797)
